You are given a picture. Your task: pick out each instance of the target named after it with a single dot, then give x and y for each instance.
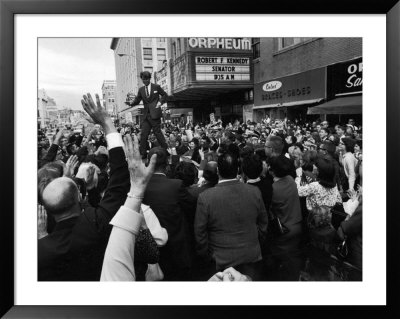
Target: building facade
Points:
(243, 78)
(132, 56)
(294, 75)
(47, 110)
(43, 118)
(109, 90)
(210, 76)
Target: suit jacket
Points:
(75, 249)
(285, 201)
(265, 187)
(150, 102)
(170, 201)
(228, 221)
(195, 190)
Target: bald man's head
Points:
(60, 196)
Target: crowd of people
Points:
(219, 202)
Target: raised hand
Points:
(58, 136)
(42, 222)
(139, 173)
(71, 165)
(98, 113)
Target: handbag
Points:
(154, 272)
(338, 215)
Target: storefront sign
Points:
(222, 68)
(272, 86)
(345, 78)
(220, 43)
(294, 88)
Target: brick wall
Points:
(313, 54)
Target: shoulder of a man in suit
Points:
(165, 179)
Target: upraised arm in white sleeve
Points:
(118, 259)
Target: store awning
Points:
(340, 105)
(304, 102)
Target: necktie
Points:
(147, 90)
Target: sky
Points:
(71, 67)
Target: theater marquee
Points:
(222, 68)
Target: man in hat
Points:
(150, 94)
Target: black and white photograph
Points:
(176, 152)
(195, 159)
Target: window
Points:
(174, 49)
(178, 47)
(147, 54)
(161, 57)
(162, 39)
(287, 42)
(255, 44)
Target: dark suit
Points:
(170, 201)
(74, 251)
(195, 190)
(265, 187)
(286, 248)
(151, 114)
(228, 221)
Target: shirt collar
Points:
(159, 173)
(227, 180)
(251, 181)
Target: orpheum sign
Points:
(220, 43)
(221, 69)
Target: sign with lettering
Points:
(220, 43)
(162, 78)
(222, 68)
(345, 78)
(179, 73)
(293, 88)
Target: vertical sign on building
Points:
(163, 79)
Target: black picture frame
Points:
(8, 9)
